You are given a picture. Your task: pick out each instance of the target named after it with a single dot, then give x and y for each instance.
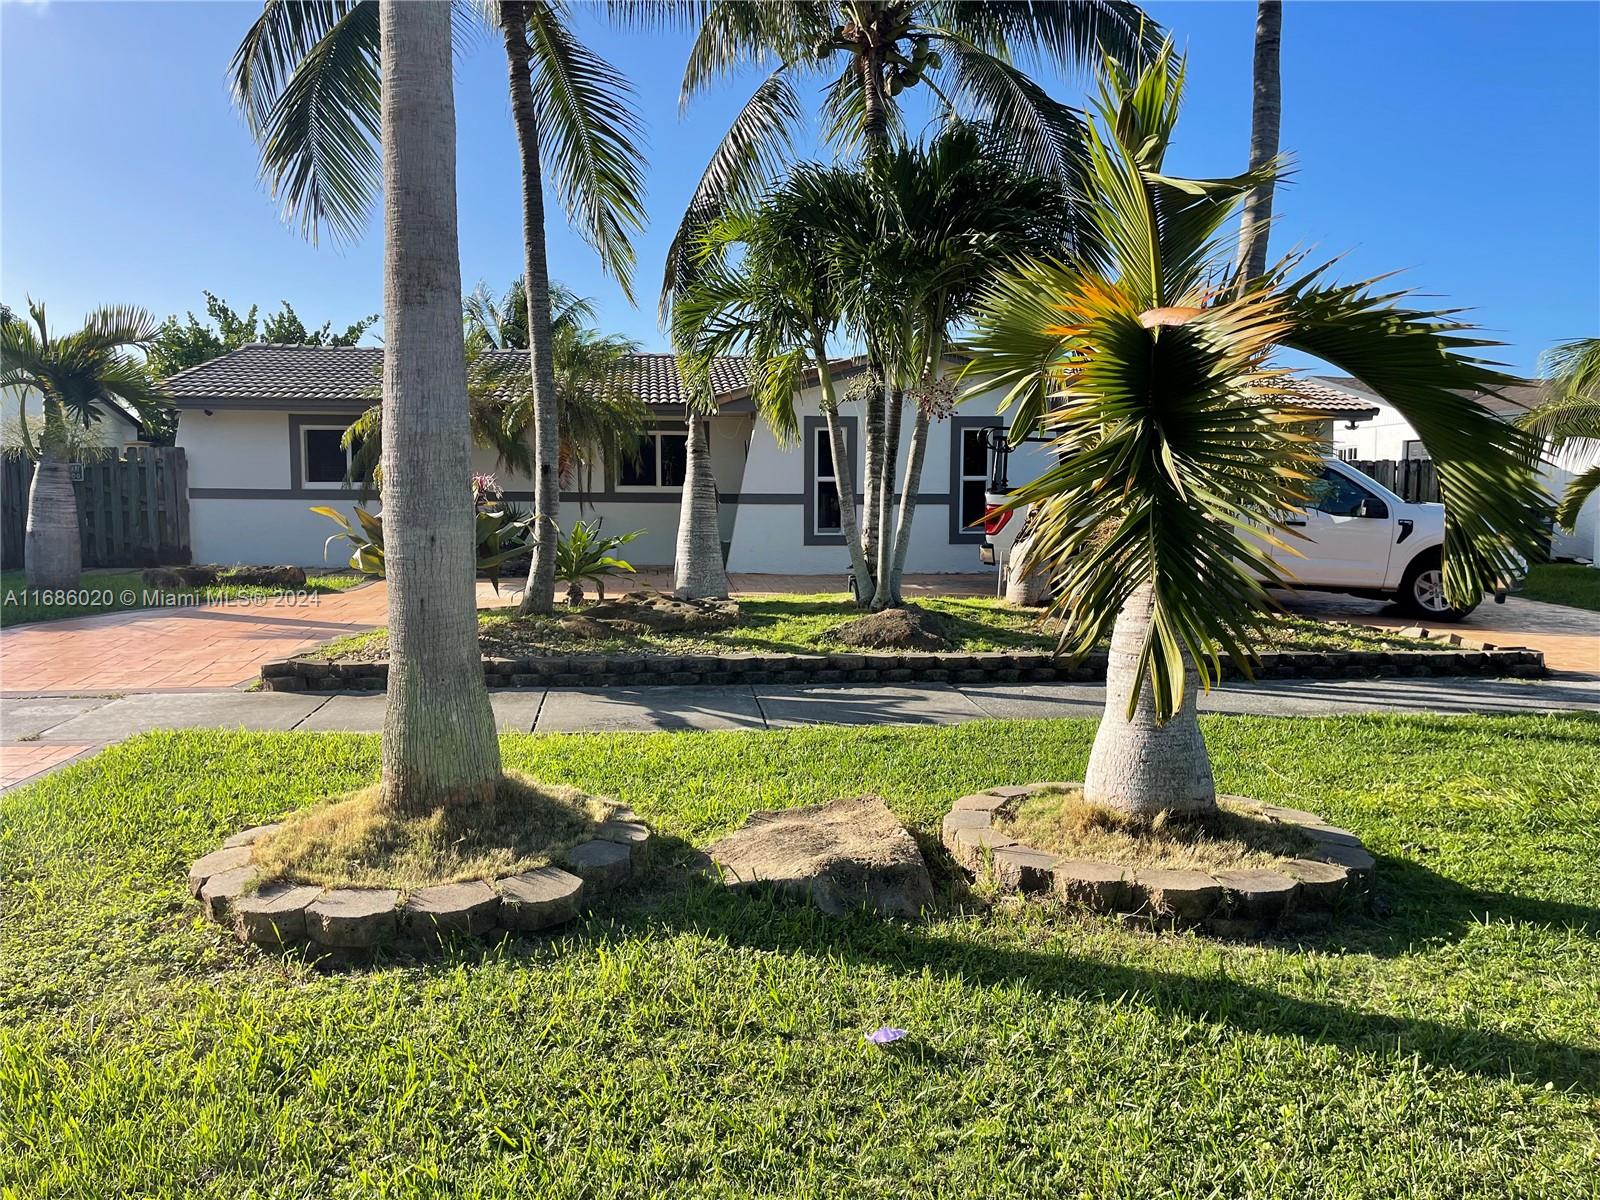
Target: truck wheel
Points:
(1422, 590)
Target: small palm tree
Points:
(1569, 419)
(308, 78)
(1151, 370)
(588, 556)
(78, 377)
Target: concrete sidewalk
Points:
(40, 734)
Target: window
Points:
(969, 479)
(325, 461)
(1340, 496)
(663, 460)
(1412, 448)
(826, 516)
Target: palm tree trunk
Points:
(540, 593)
(51, 549)
(908, 502)
(843, 472)
(890, 452)
(1265, 113)
(439, 743)
(1139, 766)
(699, 573)
(872, 482)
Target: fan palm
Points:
(964, 51)
(307, 77)
(1151, 370)
(79, 377)
(1569, 419)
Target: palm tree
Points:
(1569, 419)
(307, 77)
(1171, 462)
(439, 745)
(79, 377)
(1266, 111)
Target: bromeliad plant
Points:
(1148, 360)
(503, 532)
(585, 555)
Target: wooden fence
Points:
(1413, 479)
(133, 509)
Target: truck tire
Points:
(1422, 590)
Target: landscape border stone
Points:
(546, 671)
(282, 915)
(1234, 903)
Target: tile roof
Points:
(265, 374)
(1323, 396)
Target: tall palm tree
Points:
(308, 78)
(1171, 462)
(1568, 421)
(79, 377)
(1266, 111)
(964, 51)
(439, 744)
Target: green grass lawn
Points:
(1563, 583)
(115, 591)
(800, 624)
(695, 1043)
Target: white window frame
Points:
(655, 435)
(305, 458)
(820, 432)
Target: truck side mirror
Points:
(1374, 508)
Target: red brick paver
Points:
(224, 645)
(21, 761)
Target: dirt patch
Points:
(1236, 836)
(907, 628)
(651, 612)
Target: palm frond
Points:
(1577, 494)
(590, 136)
(1066, 35)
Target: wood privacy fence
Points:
(133, 508)
(1413, 479)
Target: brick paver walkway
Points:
(21, 761)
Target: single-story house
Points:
(1388, 435)
(261, 426)
(118, 426)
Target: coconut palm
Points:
(1569, 419)
(1266, 111)
(308, 78)
(79, 377)
(1171, 461)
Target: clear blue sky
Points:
(1457, 141)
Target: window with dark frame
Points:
(827, 517)
(974, 476)
(662, 462)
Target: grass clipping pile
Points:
(1235, 837)
(349, 842)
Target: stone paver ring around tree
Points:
(1239, 903)
(343, 920)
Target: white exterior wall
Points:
(117, 428)
(770, 522)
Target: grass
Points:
(1572, 584)
(117, 591)
(351, 842)
(801, 624)
(699, 1044)
(1235, 837)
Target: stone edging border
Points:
(360, 919)
(633, 670)
(1233, 903)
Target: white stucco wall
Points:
(116, 427)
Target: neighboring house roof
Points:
(1331, 397)
(276, 376)
(1509, 403)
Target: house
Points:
(262, 424)
(1388, 435)
(116, 428)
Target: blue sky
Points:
(1459, 142)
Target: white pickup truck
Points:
(1356, 536)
